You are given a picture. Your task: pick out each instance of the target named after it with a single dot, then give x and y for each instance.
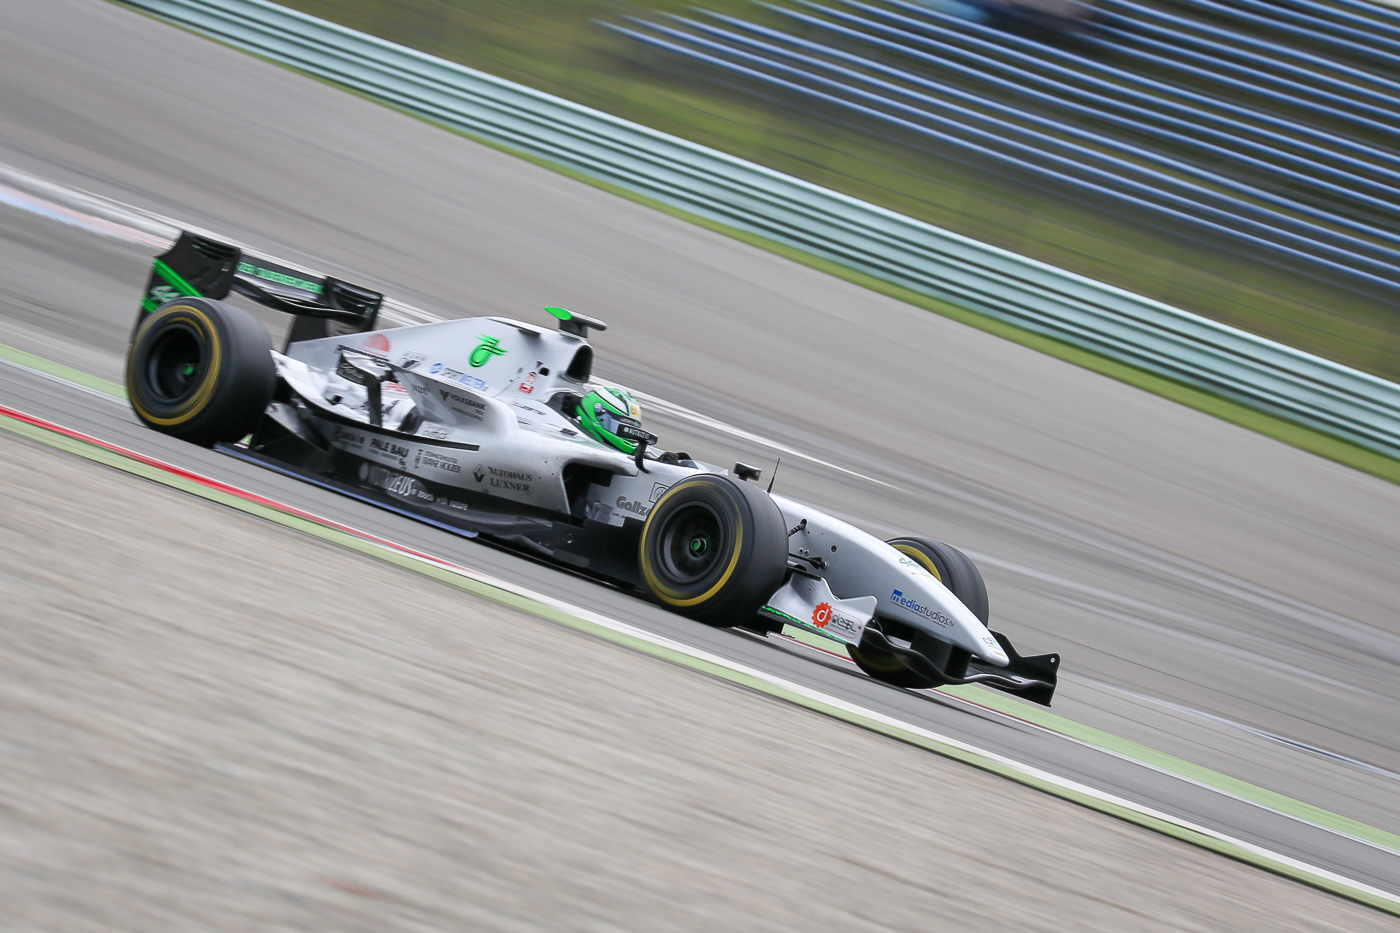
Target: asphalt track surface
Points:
(282, 758)
(1215, 594)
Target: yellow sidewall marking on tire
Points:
(669, 596)
(921, 557)
(201, 322)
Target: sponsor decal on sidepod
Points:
(636, 506)
(503, 479)
(435, 460)
(396, 483)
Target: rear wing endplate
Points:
(199, 266)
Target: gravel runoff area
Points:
(211, 722)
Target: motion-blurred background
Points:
(1236, 158)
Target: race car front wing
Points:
(1031, 678)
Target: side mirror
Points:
(364, 371)
(634, 432)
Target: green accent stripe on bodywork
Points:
(281, 278)
(780, 614)
(175, 280)
(808, 629)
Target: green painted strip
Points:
(1006, 703)
(1000, 702)
(49, 367)
(555, 614)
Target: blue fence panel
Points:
(1124, 108)
(1122, 160)
(1216, 63)
(1277, 238)
(1366, 13)
(995, 57)
(1348, 40)
(1282, 248)
(1239, 118)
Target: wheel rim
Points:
(174, 364)
(692, 543)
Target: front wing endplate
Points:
(806, 601)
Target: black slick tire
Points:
(200, 370)
(714, 548)
(958, 573)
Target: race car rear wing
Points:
(199, 266)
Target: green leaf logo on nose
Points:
(489, 347)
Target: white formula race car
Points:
(490, 426)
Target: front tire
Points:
(952, 567)
(200, 370)
(960, 575)
(714, 548)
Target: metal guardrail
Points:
(1110, 321)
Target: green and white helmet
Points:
(603, 409)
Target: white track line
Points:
(705, 421)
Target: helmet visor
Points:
(609, 422)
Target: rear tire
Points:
(200, 370)
(960, 575)
(714, 549)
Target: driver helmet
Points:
(603, 409)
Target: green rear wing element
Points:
(199, 266)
